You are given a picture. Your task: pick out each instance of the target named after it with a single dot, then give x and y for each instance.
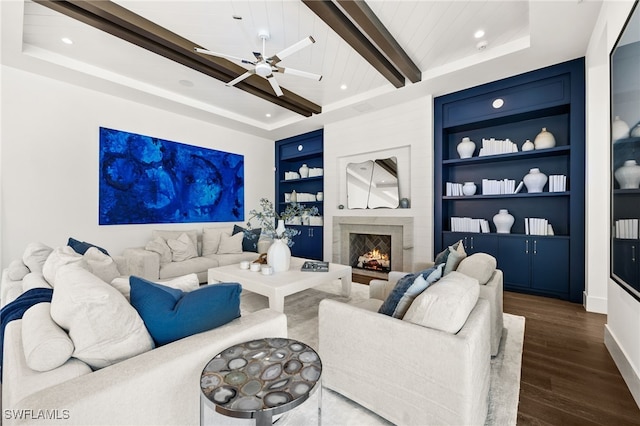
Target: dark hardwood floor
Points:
(568, 376)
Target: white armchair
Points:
(411, 374)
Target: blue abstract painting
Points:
(149, 180)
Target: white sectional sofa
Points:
(214, 247)
(156, 386)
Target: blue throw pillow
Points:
(81, 247)
(171, 314)
(407, 289)
(250, 239)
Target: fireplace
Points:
(398, 230)
(370, 252)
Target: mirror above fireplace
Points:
(373, 184)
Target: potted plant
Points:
(273, 223)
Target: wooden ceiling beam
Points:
(122, 23)
(331, 14)
(367, 20)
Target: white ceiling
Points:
(437, 35)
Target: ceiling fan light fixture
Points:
(263, 69)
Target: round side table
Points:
(261, 378)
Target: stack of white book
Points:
(468, 224)
(494, 146)
(504, 186)
(627, 229)
(537, 226)
(453, 189)
(557, 183)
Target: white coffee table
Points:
(281, 284)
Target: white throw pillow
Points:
(230, 244)
(182, 249)
(35, 255)
(455, 257)
(174, 235)
(101, 265)
(445, 305)
(480, 266)
(211, 240)
(58, 258)
(34, 280)
(17, 270)
(103, 326)
(46, 346)
(159, 245)
(188, 282)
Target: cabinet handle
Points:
(526, 245)
(471, 243)
(633, 254)
(535, 247)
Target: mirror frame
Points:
(632, 288)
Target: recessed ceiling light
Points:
(343, 87)
(479, 34)
(267, 115)
(66, 40)
(186, 83)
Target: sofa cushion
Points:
(230, 244)
(103, 326)
(188, 282)
(451, 257)
(81, 247)
(46, 346)
(407, 289)
(35, 255)
(100, 264)
(17, 270)
(174, 235)
(194, 265)
(250, 239)
(34, 280)
(159, 245)
(445, 305)
(480, 266)
(211, 240)
(182, 248)
(59, 257)
(171, 314)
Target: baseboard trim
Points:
(630, 376)
(594, 304)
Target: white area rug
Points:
(302, 317)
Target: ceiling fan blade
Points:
(241, 77)
(274, 85)
(291, 49)
(222, 55)
(258, 56)
(299, 73)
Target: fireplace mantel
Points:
(400, 229)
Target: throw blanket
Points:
(17, 308)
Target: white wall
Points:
(49, 163)
(622, 332)
(407, 130)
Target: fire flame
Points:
(375, 254)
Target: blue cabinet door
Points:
(550, 265)
(308, 244)
(513, 260)
(625, 261)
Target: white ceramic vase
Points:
(304, 171)
(279, 255)
(503, 221)
(528, 145)
(535, 180)
(544, 140)
(619, 129)
(628, 176)
(280, 228)
(466, 148)
(469, 188)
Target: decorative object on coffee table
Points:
(261, 378)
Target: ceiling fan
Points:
(265, 66)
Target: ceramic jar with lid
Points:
(466, 148)
(304, 171)
(503, 221)
(535, 180)
(628, 176)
